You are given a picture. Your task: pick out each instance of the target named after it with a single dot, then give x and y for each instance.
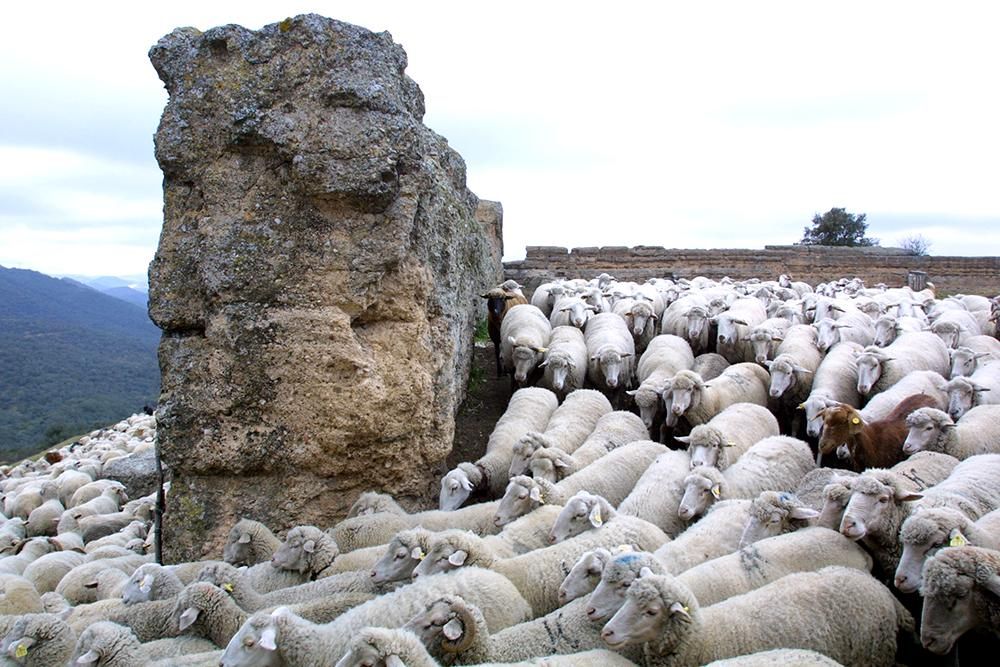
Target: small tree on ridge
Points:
(838, 227)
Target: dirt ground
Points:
(485, 402)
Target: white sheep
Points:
(368, 530)
(776, 463)
(975, 352)
(955, 326)
(612, 476)
(43, 519)
(717, 534)
(698, 401)
(46, 571)
(529, 409)
(107, 644)
(882, 499)
(778, 657)
(932, 430)
(79, 584)
(585, 573)
(665, 356)
(249, 542)
(854, 327)
(766, 336)
(403, 553)
(38, 640)
(299, 643)
(18, 596)
(587, 512)
(568, 428)
(887, 327)
(545, 295)
(656, 494)
(769, 559)
(151, 581)
(455, 631)
(859, 617)
(565, 363)
(709, 365)
(524, 335)
(28, 551)
(980, 388)
(734, 327)
(928, 529)
(727, 435)
(612, 430)
(880, 368)
(774, 513)
(961, 591)
(570, 310)
(835, 381)
(610, 353)
(688, 317)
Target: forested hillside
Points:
(71, 359)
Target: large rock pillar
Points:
(316, 278)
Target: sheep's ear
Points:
(631, 392)
(559, 463)
(905, 496)
(800, 369)
(91, 584)
(535, 494)
(466, 484)
(146, 584)
(686, 439)
(596, 520)
(678, 608)
(803, 513)
(88, 658)
(309, 546)
(187, 618)
(767, 363)
(268, 639)
(512, 341)
(394, 661)
(244, 538)
(645, 572)
(716, 491)
(458, 558)
(452, 629)
(417, 553)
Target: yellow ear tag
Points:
(228, 587)
(730, 443)
(716, 493)
(958, 540)
(422, 555)
(20, 651)
(855, 421)
(687, 609)
(597, 518)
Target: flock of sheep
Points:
(809, 477)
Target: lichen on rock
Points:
(316, 279)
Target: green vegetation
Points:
(71, 360)
(838, 227)
(477, 378)
(481, 334)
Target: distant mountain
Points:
(130, 295)
(71, 359)
(133, 289)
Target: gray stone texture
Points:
(316, 280)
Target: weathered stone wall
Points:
(316, 279)
(813, 264)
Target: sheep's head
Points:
(257, 642)
(447, 551)
(783, 378)
(962, 396)
(584, 511)
(402, 555)
(647, 398)
(525, 357)
(926, 428)
(101, 641)
(523, 494)
(774, 513)
(614, 366)
(550, 464)
(685, 392)
(585, 574)
(302, 547)
(615, 580)
(448, 625)
(923, 533)
(376, 646)
(139, 587)
(702, 488)
(642, 315)
(237, 549)
(955, 581)
(524, 448)
(885, 330)
(697, 322)
(456, 487)
(705, 445)
(871, 364)
(949, 332)
(658, 610)
(559, 365)
(873, 496)
(836, 495)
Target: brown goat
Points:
(878, 444)
(499, 300)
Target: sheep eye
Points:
(650, 612)
(522, 496)
(883, 499)
(249, 641)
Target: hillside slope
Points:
(71, 359)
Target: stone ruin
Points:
(316, 280)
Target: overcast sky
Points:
(696, 125)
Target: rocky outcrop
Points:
(316, 279)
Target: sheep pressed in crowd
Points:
(776, 463)
(612, 430)
(975, 352)
(980, 388)
(932, 430)
(928, 529)
(717, 534)
(698, 401)
(722, 440)
(860, 619)
(734, 327)
(834, 382)
(610, 354)
(766, 336)
(249, 542)
(524, 336)
(656, 494)
(665, 356)
(880, 368)
(961, 591)
(529, 409)
(565, 363)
